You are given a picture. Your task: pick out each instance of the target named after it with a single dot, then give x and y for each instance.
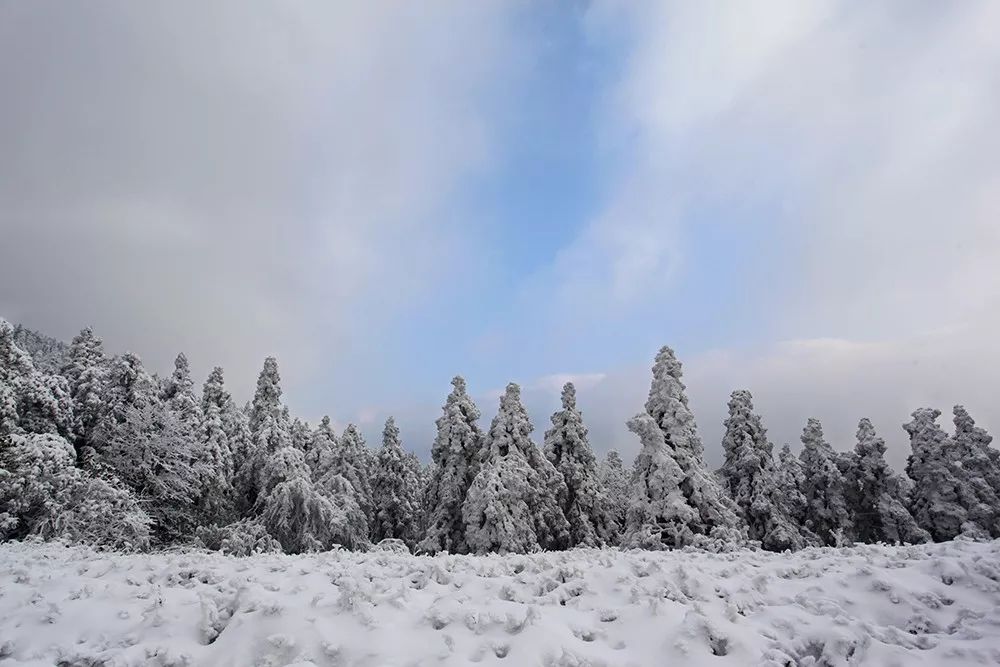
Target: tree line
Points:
(96, 450)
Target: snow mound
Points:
(920, 605)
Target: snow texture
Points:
(936, 605)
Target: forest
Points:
(96, 450)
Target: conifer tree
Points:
(585, 504)
(268, 432)
(876, 495)
(823, 487)
(215, 455)
(515, 482)
(750, 477)
(351, 460)
(178, 393)
(980, 464)
(674, 500)
(945, 501)
(455, 454)
(86, 371)
(396, 490)
(791, 479)
(615, 482)
(319, 451)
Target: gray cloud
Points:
(235, 181)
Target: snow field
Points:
(933, 604)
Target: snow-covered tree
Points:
(86, 371)
(455, 454)
(352, 461)
(823, 487)
(396, 490)
(530, 483)
(945, 500)
(751, 478)
(319, 451)
(30, 400)
(585, 504)
(300, 434)
(152, 452)
(876, 495)
(43, 493)
(980, 464)
(674, 500)
(791, 479)
(615, 482)
(178, 393)
(214, 455)
(269, 431)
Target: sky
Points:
(802, 199)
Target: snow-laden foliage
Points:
(585, 504)
(214, 454)
(980, 465)
(248, 537)
(47, 354)
(823, 486)
(514, 477)
(43, 493)
(876, 495)
(946, 500)
(751, 478)
(268, 432)
(615, 482)
(352, 460)
(396, 490)
(178, 393)
(455, 453)
(319, 449)
(86, 370)
(152, 452)
(674, 500)
(791, 479)
(30, 401)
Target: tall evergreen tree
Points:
(215, 455)
(86, 371)
(319, 452)
(751, 478)
(178, 393)
(514, 502)
(351, 460)
(791, 479)
(946, 501)
(980, 464)
(455, 454)
(268, 432)
(674, 499)
(615, 482)
(823, 487)
(396, 490)
(30, 400)
(876, 495)
(585, 504)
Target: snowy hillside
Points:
(935, 604)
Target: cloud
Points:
(236, 181)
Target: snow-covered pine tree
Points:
(30, 400)
(876, 495)
(214, 455)
(585, 504)
(823, 487)
(319, 451)
(750, 477)
(615, 482)
(945, 501)
(514, 478)
(980, 464)
(268, 432)
(791, 479)
(674, 500)
(301, 434)
(86, 370)
(455, 454)
(178, 393)
(352, 461)
(396, 490)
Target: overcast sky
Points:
(803, 199)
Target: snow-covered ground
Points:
(923, 605)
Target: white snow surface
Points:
(933, 604)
